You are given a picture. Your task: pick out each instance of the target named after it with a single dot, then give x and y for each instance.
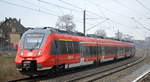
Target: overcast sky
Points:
(128, 16)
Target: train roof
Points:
(54, 30)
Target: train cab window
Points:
(33, 41)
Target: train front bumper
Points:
(31, 67)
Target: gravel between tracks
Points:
(119, 76)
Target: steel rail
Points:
(107, 72)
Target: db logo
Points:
(29, 54)
(70, 57)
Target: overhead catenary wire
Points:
(105, 17)
(127, 7)
(142, 5)
(113, 13)
(97, 6)
(49, 3)
(124, 25)
(96, 24)
(26, 1)
(108, 10)
(41, 9)
(72, 5)
(22, 6)
(141, 24)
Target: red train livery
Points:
(43, 49)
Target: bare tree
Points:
(101, 32)
(127, 37)
(66, 22)
(119, 35)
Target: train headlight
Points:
(21, 53)
(39, 52)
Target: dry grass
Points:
(8, 53)
(8, 69)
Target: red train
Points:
(43, 49)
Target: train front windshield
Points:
(33, 41)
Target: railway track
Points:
(142, 77)
(85, 73)
(78, 75)
(100, 74)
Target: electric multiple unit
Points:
(43, 49)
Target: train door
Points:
(60, 51)
(55, 51)
(102, 53)
(97, 52)
(118, 52)
(124, 53)
(82, 51)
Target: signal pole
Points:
(84, 21)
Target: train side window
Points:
(96, 50)
(99, 50)
(83, 51)
(86, 52)
(127, 49)
(112, 50)
(77, 47)
(106, 50)
(62, 48)
(90, 51)
(69, 47)
(93, 50)
(103, 50)
(53, 48)
(115, 50)
(109, 50)
(74, 47)
(119, 50)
